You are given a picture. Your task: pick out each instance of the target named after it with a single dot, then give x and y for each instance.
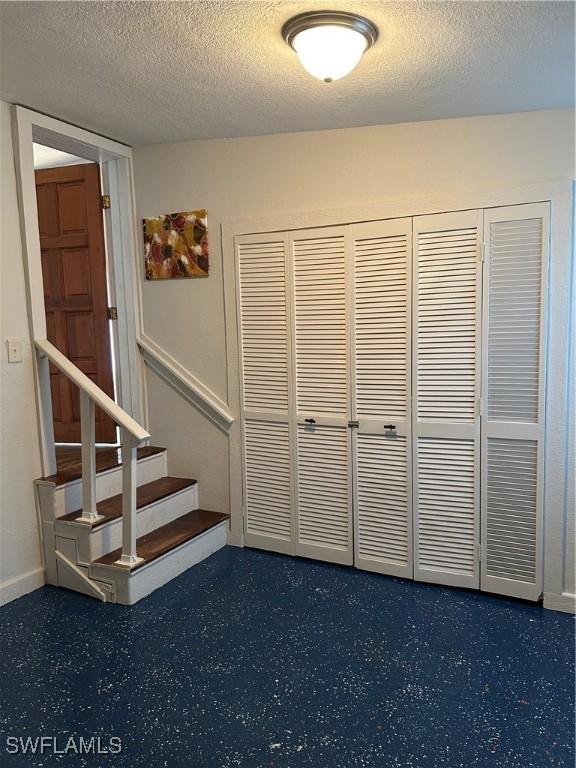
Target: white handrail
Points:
(187, 385)
(98, 396)
(132, 434)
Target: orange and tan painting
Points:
(176, 245)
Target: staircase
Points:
(172, 533)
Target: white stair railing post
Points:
(129, 557)
(88, 436)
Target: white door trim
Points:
(116, 161)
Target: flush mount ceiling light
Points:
(329, 44)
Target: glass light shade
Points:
(329, 52)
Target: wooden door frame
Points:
(115, 160)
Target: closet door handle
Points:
(389, 426)
(310, 421)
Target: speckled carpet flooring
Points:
(253, 659)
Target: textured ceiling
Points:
(146, 72)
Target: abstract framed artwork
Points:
(176, 245)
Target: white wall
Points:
(251, 177)
(20, 563)
(266, 175)
(569, 573)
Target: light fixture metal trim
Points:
(329, 18)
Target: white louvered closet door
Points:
(445, 371)
(382, 253)
(320, 275)
(266, 391)
(516, 241)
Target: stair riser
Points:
(94, 543)
(68, 498)
(131, 587)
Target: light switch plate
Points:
(14, 350)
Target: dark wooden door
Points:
(75, 290)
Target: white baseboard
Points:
(564, 602)
(21, 585)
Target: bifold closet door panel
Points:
(320, 264)
(446, 387)
(381, 345)
(516, 241)
(263, 322)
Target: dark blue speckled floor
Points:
(253, 659)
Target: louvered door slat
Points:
(381, 322)
(264, 326)
(446, 508)
(514, 320)
(446, 292)
(382, 499)
(512, 495)
(324, 493)
(268, 502)
(319, 264)
(446, 354)
(513, 425)
(381, 254)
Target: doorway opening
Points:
(75, 275)
(78, 148)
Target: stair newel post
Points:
(88, 436)
(129, 556)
